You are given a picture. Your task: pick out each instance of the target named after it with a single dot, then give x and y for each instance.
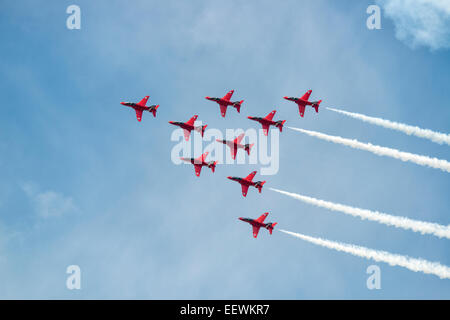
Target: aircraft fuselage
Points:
(139, 107)
(253, 222)
(301, 101)
(221, 101)
(182, 125)
(232, 144)
(265, 121)
(134, 105)
(195, 161)
(247, 182)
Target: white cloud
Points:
(48, 204)
(420, 22)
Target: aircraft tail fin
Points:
(212, 165)
(201, 129)
(270, 226)
(280, 125)
(154, 110)
(248, 147)
(238, 105)
(316, 105)
(260, 185)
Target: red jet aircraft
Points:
(200, 162)
(267, 121)
(225, 102)
(258, 223)
(189, 126)
(303, 102)
(140, 107)
(236, 144)
(247, 182)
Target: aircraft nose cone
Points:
(229, 178)
(286, 98)
(240, 218)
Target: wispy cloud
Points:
(48, 204)
(420, 22)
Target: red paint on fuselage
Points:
(304, 101)
(258, 223)
(267, 122)
(225, 102)
(140, 107)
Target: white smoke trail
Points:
(398, 222)
(437, 137)
(382, 151)
(412, 264)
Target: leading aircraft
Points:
(258, 223)
(140, 107)
(200, 162)
(225, 102)
(247, 182)
(303, 102)
(236, 144)
(267, 121)
(189, 126)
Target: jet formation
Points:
(234, 145)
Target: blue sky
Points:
(82, 182)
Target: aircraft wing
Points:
(239, 138)
(233, 152)
(223, 110)
(187, 134)
(138, 114)
(228, 95)
(270, 115)
(143, 102)
(306, 95)
(244, 189)
(262, 217)
(301, 109)
(198, 169)
(251, 176)
(255, 231)
(191, 121)
(265, 129)
(201, 159)
(203, 156)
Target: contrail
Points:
(412, 264)
(398, 222)
(437, 137)
(382, 151)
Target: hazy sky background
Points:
(82, 182)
